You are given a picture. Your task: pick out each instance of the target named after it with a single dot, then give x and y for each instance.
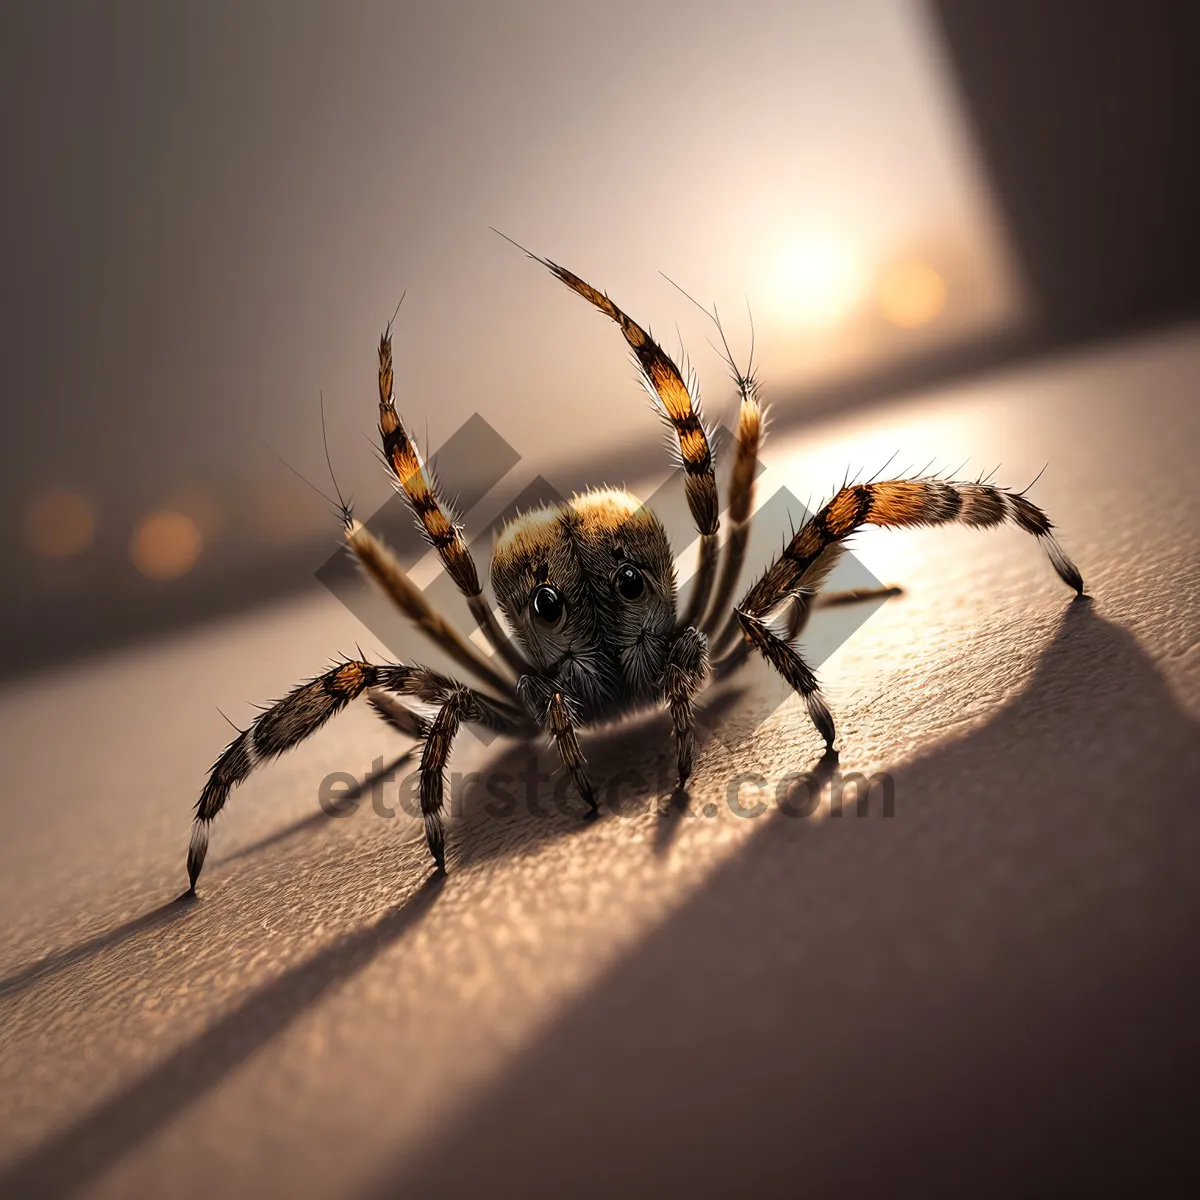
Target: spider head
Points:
(588, 587)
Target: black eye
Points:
(547, 604)
(630, 582)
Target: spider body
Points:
(588, 591)
(588, 588)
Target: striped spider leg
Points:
(798, 573)
(308, 706)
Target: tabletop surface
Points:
(995, 984)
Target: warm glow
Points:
(165, 545)
(59, 524)
(911, 294)
(817, 282)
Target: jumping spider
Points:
(588, 590)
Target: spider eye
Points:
(630, 582)
(547, 604)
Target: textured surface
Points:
(994, 985)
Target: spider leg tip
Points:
(193, 870)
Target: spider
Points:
(588, 589)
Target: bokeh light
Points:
(165, 544)
(59, 524)
(910, 294)
(817, 281)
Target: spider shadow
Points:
(677, 808)
(345, 807)
(183, 905)
(502, 807)
(69, 1160)
(679, 804)
(994, 988)
(751, 678)
(60, 960)
(633, 768)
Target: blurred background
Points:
(211, 209)
(961, 228)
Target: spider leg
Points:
(799, 608)
(791, 665)
(733, 659)
(562, 729)
(305, 709)
(434, 514)
(682, 412)
(380, 564)
(855, 596)
(702, 582)
(556, 712)
(399, 716)
(461, 704)
(804, 603)
(741, 501)
(808, 558)
(683, 678)
(895, 504)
